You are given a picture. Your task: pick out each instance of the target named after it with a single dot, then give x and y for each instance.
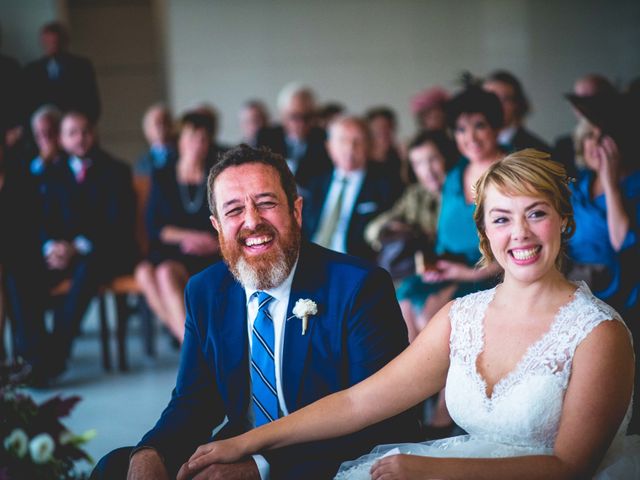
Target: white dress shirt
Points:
(278, 310)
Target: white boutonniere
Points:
(303, 309)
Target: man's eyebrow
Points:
(258, 196)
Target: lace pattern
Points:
(526, 404)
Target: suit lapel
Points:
(296, 346)
(233, 358)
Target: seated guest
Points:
(524, 363)
(431, 155)
(606, 203)
(279, 324)
(253, 116)
(586, 86)
(181, 241)
(340, 204)
(515, 107)
(428, 109)
(157, 126)
(296, 139)
(385, 152)
(88, 231)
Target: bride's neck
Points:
(548, 293)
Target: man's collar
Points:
(280, 292)
(350, 175)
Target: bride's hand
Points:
(224, 451)
(401, 467)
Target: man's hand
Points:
(147, 465)
(60, 255)
(244, 470)
(199, 243)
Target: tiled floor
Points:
(120, 406)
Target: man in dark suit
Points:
(300, 142)
(61, 78)
(340, 204)
(515, 106)
(251, 357)
(88, 230)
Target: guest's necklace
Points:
(191, 204)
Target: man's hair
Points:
(475, 100)
(384, 112)
(57, 28)
(244, 154)
(197, 120)
(152, 108)
(523, 106)
(342, 120)
(443, 143)
(291, 90)
(46, 111)
(78, 113)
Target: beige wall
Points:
(365, 52)
(360, 52)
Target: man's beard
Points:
(265, 271)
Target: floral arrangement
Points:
(303, 309)
(34, 444)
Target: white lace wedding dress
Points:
(523, 413)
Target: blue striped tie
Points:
(263, 372)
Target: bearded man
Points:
(250, 354)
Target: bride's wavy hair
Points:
(527, 172)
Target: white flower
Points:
(303, 309)
(41, 448)
(17, 442)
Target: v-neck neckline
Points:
(498, 385)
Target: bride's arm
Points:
(594, 405)
(415, 374)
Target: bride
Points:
(537, 370)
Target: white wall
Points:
(365, 52)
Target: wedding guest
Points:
(524, 362)
(157, 126)
(240, 310)
(385, 154)
(513, 135)
(428, 108)
(296, 138)
(431, 156)
(88, 232)
(253, 116)
(181, 242)
(585, 86)
(340, 204)
(63, 79)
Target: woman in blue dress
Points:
(181, 238)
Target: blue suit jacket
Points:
(357, 330)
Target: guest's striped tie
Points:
(263, 373)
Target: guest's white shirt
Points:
(354, 180)
(278, 311)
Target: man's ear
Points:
(214, 222)
(297, 210)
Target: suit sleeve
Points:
(195, 407)
(374, 334)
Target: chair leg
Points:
(148, 327)
(123, 310)
(105, 334)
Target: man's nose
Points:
(251, 216)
